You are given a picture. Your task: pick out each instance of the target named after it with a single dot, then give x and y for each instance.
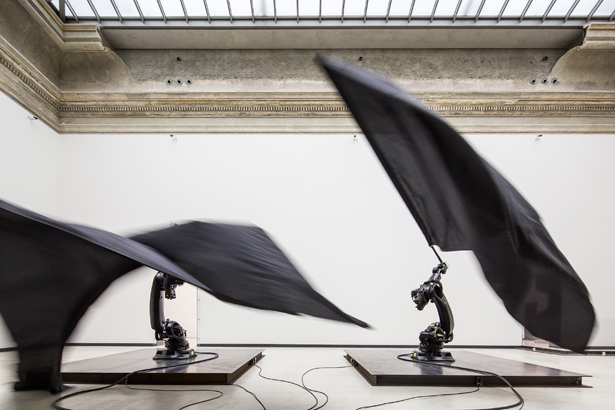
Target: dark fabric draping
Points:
(51, 272)
(460, 202)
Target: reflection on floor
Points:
(346, 388)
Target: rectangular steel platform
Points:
(382, 367)
(225, 369)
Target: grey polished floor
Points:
(344, 386)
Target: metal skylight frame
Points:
(433, 12)
(184, 9)
(94, 10)
(480, 8)
(117, 11)
(260, 16)
(410, 12)
(456, 10)
(139, 10)
(164, 16)
(501, 11)
(591, 13)
(230, 12)
(72, 11)
(388, 11)
(207, 11)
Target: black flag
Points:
(240, 264)
(460, 202)
(51, 272)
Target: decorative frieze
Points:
(27, 81)
(334, 107)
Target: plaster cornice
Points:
(126, 114)
(93, 91)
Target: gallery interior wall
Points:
(29, 168)
(327, 202)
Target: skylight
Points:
(382, 11)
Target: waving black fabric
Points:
(51, 272)
(242, 265)
(461, 203)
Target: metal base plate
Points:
(382, 367)
(230, 364)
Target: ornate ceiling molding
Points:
(85, 90)
(332, 107)
(192, 114)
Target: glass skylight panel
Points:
(515, 8)
(127, 8)
(310, 8)
(538, 8)
(241, 8)
(606, 8)
(172, 8)
(81, 7)
(469, 8)
(195, 8)
(585, 7)
(332, 8)
(421, 9)
(149, 8)
(56, 3)
(354, 8)
(68, 13)
(560, 8)
(263, 8)
(492, 8)
(103, 7)
(400, 8)
(377, 8)
(446, 8)
(218, 8)
(286, 8)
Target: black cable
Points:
(418, 397)
(125, 380)
(303, 386)
(374, 405)
(199, 390)
(260, 373)
(182, 390)
(521, 402)
(202, 401)
(260, 402)
(318, 391)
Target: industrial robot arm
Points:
(174, 336)
(438, 333)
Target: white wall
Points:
(569, 179)
(29, 168)
(329, 204)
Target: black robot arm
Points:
(438, 333)
(171, 332)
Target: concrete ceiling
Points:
(260, 76)
(266, 37)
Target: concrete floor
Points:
(344, 386)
